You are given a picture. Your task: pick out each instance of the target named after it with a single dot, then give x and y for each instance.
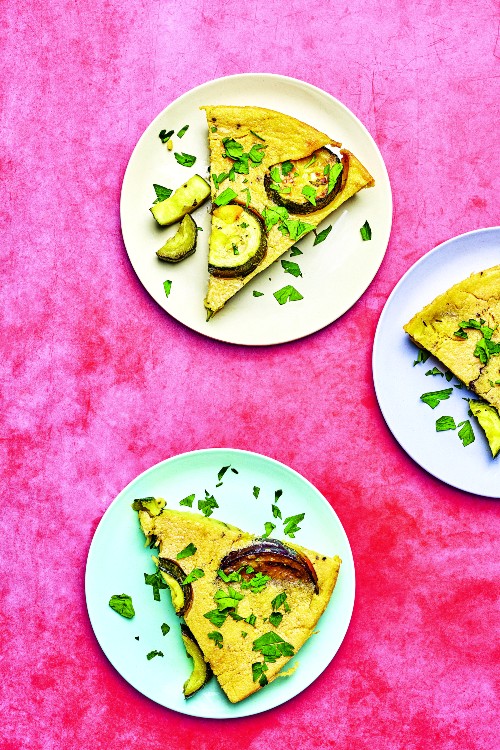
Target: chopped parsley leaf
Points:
(186, 552)
(277, 495)
(275, 618)
(280, 601)
(333, 175)
(188, 501)
(156, 581)
(122, 604)
(321, 237)
(217, 638)
(162, 193)
(257, 294)
(275, 174)
(295, 251)
(222, 472)
(164, 136)
(448, 375)
(208, 504)
(276, 511)
(213, 128)
(466, 433)
(310, 193)
(227, 599)
(216, 617)
(167, 286)
(290, 267)
(286, 168)
(257, 583)
(185, 160)
(195, 574)
(243, 634)
(258, 670)
(152, 654)
(445, 423)
(291, 524)
(287, 293)
(256, 492)
(435, 371)
(182, 131)
(269, 527)
(165, 628)
(433, 398)
(272, 646)
(422, 356)
(225, 197)
(366, 232)
(258, 136)
(251, 620)
(218, 179)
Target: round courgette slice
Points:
(305, 185)
(182, 244)
(237, 241)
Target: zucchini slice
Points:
(237, 241)
(489, 419)
(173, 575)
(182, 244)
(202, 671)
(183, 201)
(306, 185)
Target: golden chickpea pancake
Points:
(249, 603)
(281, 169)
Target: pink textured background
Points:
(99, 383)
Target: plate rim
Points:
(219, 335)
(376, 339)
(349, 563)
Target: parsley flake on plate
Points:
(165, 628)
(222, 472)
(188, 501)
(291, 524)
(466, 433)
(165, 136)
(295, 251)
(185, 160)
(122, 604)
(435, 371)
(167, 286)
(269, 528)
(433, 398)
(256, 492)
(366, 232)
(422, 356)
(208, 504)
(276, 511)
(162, 193)
(154, 653)
(321, 236)
(156, 581)
(182, 131)
(290, 267)
(257, 294)
(287, 294)
(310, 193)
(217, 638)
(445, 423)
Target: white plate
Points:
(335, 272)
(399, 385)
(118, 560)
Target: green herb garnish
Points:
(222, 472)
(366, 232)
(277, 495)
(216, 618)
(435, 371)
(276, 511)
(227, 599)
(257, 294)
(272, 646)
(188, 501)
(310, 193)
(466, 433)
(195, 575)
(287, 293)
(218, 179)
(422, 356)
(275, 618)
(433, 398)
(295, 251)
(165, 628)
(258, 670)
(291, 524)
(167, 286)
(187, 551)
(445, 423)
(164, 136)
(256, 492)
(321, 236)
(269, 527)
(258, 136)
(162, 193)
(251, 620)
(152, 654)
(185, 160)
(290, 267)
(156, 581)
(333, 175)
(122, 603)
(208, 504)
(217, 638)
(182, 131)
(225, 197)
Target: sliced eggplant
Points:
(173, 575)
(237, 241)
(273, 558)
(183, 201)
(306, 185)
(202, 671)
(182, 244)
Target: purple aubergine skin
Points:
(174, 569)
(271, 552)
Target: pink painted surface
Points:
(99, 384)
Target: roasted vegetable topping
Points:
(272, 558)
(182, 244)
(174, 577)
(201, 669)
(237, 241)
(305, 185)
(183, 201)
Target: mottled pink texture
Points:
(99, 383)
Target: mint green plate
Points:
(117, 562)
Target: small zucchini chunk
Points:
(237, 241)
(173, 575)
(183, 201)
(489, 419)
(202, 671)
(306, 185)
(182, 244)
